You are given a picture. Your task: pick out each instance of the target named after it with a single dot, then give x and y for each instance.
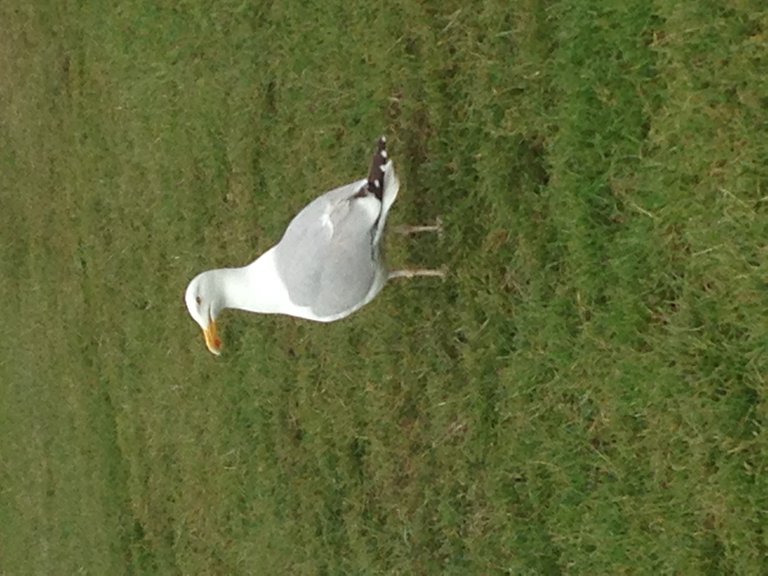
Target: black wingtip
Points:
(376, 172)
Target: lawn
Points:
(585, 393)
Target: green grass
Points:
(585, 394)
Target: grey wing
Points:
(326, 257)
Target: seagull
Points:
(327, 265)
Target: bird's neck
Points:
(253, 288)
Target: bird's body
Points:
(327, 265)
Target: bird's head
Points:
(204, 306)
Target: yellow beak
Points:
(212, 340)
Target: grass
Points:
(585, 394)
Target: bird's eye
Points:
(198, 300)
